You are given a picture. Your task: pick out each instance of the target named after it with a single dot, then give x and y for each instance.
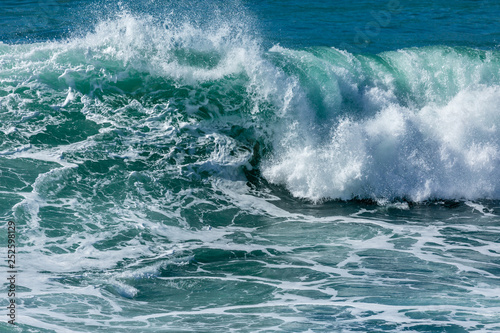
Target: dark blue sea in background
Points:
(251, 166)
(366, 26)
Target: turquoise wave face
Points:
(178, 174)
(417, 123)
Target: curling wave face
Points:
(417, 124)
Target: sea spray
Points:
(417, 124)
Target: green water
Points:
(167, 173)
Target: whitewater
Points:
(172, 173)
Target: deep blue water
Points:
(264, 166)
(366, 26)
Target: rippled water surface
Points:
(274, 166)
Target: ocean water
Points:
(251, 166)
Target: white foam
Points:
(442, 146)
